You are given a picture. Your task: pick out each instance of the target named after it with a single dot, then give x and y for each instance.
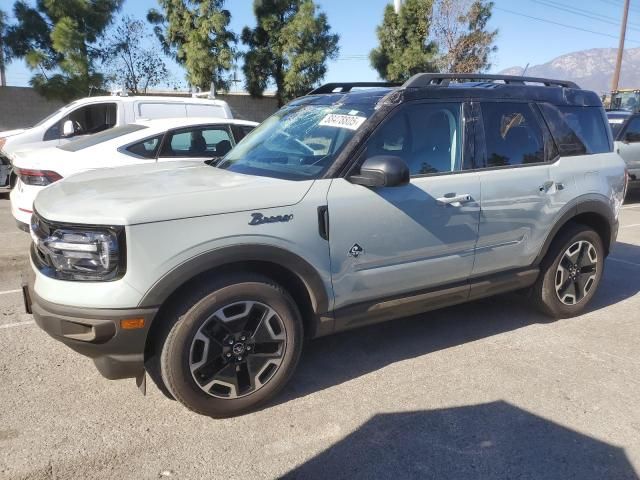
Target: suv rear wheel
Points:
(570, 273)
(234, 348)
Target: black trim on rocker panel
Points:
(237, 254)
(413, 303)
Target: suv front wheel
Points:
(570, 273)
(234, 348)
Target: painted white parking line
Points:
(7, 292)
(629, 226)
(17, 324)
(623, 261)
(629, 207)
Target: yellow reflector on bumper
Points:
(132, 323)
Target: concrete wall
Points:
(23, 107)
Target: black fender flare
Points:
(220, 257)
(591, 203)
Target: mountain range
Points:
(591, 69)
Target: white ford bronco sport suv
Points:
(347, 207)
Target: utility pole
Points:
(397, 5)
(623, 32)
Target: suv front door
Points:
(403, 241)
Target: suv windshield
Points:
(300, 142)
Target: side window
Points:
(577, 130)
(204, 110)
(427, 136)
(207, 142)
(87, 120)
(512, 134)
(632, 131)
(241, 131)
(161, 110)
(147, 148)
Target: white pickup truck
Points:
(95, 114)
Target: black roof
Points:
(459, 86)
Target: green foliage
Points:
(196, 34)
(58, 38)
(461, 32)
(433, 35)
(405, 48)
(128, 62)
(289, 46)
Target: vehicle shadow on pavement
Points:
(335, 359)
(491, 440)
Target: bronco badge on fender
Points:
(259, 219)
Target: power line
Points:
(618, 4)
(583, 13)
(561, 24)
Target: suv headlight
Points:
(74, 252)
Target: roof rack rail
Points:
(443, 79)
(345, 87)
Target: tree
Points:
(289, 46)
(128, 61)
(405, 47)
(4, 54)
(460, 31)
(59, 40)
(196, 34)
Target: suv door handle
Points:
(455, 200)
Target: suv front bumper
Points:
(95, 333)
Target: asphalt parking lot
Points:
(490, 389)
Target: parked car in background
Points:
(627, 145)
(616, 119)
(95, 114)
(144, 141)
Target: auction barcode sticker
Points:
(351, 122)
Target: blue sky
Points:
(522, 38)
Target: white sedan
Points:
(196, 139)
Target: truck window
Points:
(89, 119)
(577, 130)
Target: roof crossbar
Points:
(345, 87)
(443, 79)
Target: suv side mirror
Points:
(382, 171)
(68, 130)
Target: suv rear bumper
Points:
(95, 333)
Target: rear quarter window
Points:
(577, 130)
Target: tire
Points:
(574, 248)
(235, 347)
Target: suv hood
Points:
(161, 191)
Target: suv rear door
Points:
(399, 241)
(515, 148)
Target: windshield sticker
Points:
(616, 120)
(350, 122)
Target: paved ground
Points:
(486, 390)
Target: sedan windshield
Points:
(299, 142)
